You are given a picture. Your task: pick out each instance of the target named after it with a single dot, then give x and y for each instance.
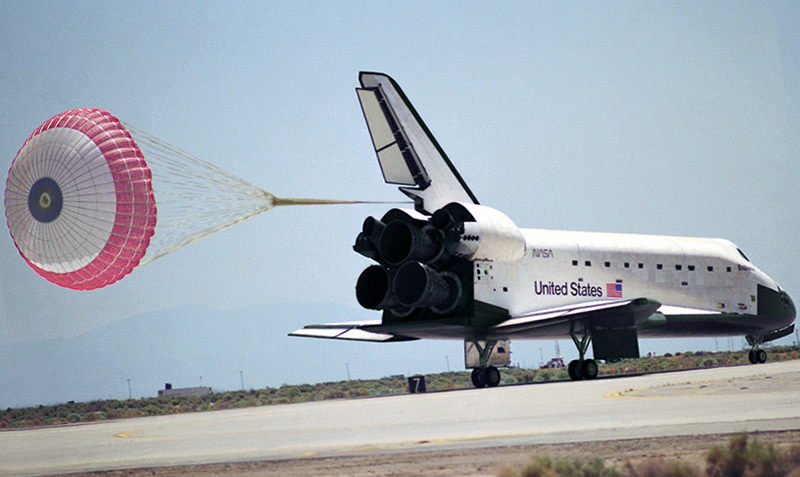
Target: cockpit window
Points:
(742, 254)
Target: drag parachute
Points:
(84, 207)
(79, 200)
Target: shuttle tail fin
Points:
(407, 152)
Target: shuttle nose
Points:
(776, 306)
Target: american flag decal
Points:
(614, 290)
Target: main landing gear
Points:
(581, 368)
(485, 375)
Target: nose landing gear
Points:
(756, 355)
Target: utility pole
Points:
(129, 389)
(348, 370)
(241, 376)
(448, 363)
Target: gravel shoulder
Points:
(463, 462)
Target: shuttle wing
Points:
(407, 152)
(613, 314)
(354, 331)
(617, 314)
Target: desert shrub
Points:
(751, 458)
(508, 379)
(74, 417)
(333, 394)
(710, 363)
(360, 392)
(661, 468)
(92, 416)
(742, 457)
(544, 466)
(544, 376)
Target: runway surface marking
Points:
(753, 384)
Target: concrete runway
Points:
(720, 400)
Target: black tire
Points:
(589, 369)
(752, 357)
(477, 378)
(491, 376)
(761, 356)
(574, 370)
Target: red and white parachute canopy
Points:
(79, 200)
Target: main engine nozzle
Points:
(417, 286)
(374, 289)
(401, 241)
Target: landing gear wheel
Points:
(757, 356)
(491, 376)
(589, 369)
(477, 378)
(574, 370)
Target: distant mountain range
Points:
(192, 345)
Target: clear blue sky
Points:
(676, 118)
